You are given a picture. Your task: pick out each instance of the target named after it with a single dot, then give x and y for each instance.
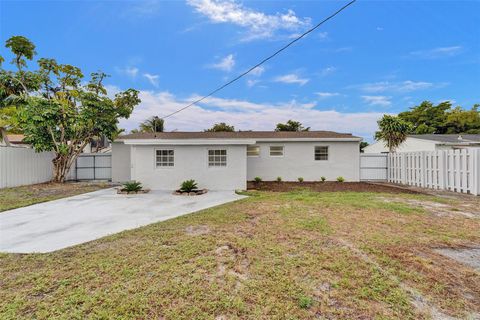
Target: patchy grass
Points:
(11, 198)
(271, 256)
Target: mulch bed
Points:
(328, 186)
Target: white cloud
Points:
(327, 71)
(404, 86)
(379, 28)
(439, 52)
(258, 24)
(152, 78)
(246, 115)
(324, 95)
(382, 101)
(252, 82)
(258, 71)
(226, 64)
(131, 72)
(291, 78)
(323, 35)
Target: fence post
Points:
(403, 168)
(442, 169)
(476, 172)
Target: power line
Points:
(261, 62)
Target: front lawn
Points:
(291, 255)
(11, 198)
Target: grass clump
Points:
(305, 302)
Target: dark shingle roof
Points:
(449, 138)
(238, 135)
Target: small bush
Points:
(323, 179)
(257, 179)
(305, 302)
(340, 179)
(132, 186)
(300, 179)
(279, 179)
(188, 186)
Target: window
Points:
(276, 151)
(321, 153)
(217, 158)
(164, 158)
(253, 151)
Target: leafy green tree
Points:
(291, 126)
(363, 145)
(441, 118)
(153, 124)
(221, 127)
(393, 131)
(64, 114)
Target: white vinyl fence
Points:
(453, 170)
(22, 166)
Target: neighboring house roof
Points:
(240, 135)
(449, 138)
(15, 138)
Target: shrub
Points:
(305, 302)
(323, 179)
(188, 186)
(132, 186)
(300, 179)
(340, 179)
(257, 179)
(279, 179)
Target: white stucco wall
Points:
(409, 145)
(120, 162)
(191, 162)
(298, 161)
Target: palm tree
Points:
(393, 131)
(153, 124)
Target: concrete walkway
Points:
(58, 224)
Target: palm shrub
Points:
(323, 179)
(300, 179)
(393, 131)
(279, 179)
(340, 179)
(132, 186)
(257, 179)
(188, 185)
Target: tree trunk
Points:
(61, 167)
(3, 135)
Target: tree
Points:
(221, 127)
(153, 124)
(441, 118)
(363, 145)
(64, 114)
(291, 126)
(393, 131)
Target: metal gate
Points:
(92, 166)
(374, 166)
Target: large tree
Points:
(153, 124)
(392, 131)
(441, 118)
(62, 114)
(221, 127)
(291, 125)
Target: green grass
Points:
(270, 256)
(17, 197)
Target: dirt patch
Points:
(197, 230)
(467, 256)
(327, 186)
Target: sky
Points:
(375, 57)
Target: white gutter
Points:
(229, 141)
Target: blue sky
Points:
(376, 57)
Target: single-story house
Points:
(429, 142)
(14, 140)
(226, 160)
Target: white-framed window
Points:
(276, 151)
(217, 158)
(164, 157)
(321, 153)
(253, 151)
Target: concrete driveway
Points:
(66, 222)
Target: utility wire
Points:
(261, 62)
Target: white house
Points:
(429, 142)
(226, 160)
